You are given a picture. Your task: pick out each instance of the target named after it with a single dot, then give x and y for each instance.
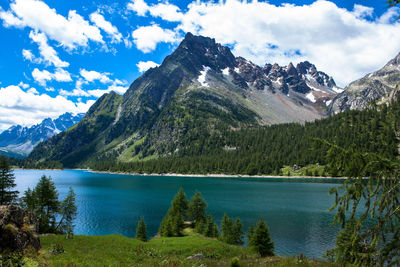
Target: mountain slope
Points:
(374, 86)
(19, 141)
(199, 89)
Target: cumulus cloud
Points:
(166, 11)
(106, 26)
(29, 108)
(48, 54)
(146, 38)
(42, 76)
(139, 6)
(145, 65)
(70, 32)
(92, 75)
(116, 88)
(345, 44)
(28, 55)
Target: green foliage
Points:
(367, 205)
(197, 208)
(259, 239)
(43, 201)
(235, 262)
(266, 150)
(68, 210)
(7, 195)
(231, 233)
(141, 230)
(173, 223)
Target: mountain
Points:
(198, 90)
(378, 85)
(19, 141)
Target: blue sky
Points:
(58, 56)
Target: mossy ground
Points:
(117, 250)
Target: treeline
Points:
(265, 150)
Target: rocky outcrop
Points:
(18, 229)
(375, 86)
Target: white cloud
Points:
(361, 11)
(23, 85)
(92, 75)
(75, 92)
(106, 26)
(33, 91)
(42, 76)
(139, 6)
(345, 44)
(29, 108)
(145, 65)
(70, 32)
(146, 38)
(166, 11)
(27, 54)
(49, 55)
(116, 88)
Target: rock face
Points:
(374, 86)
(17, 230)
(200, 87)
(19, 141)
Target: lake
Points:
(295, 210)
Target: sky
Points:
(60, 56)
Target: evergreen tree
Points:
(365, 241)
(197, 208)
(47, 204)
(211, 228)
(180, 203)
(260, 239)
(141, 230)
(226, 230)
(237, 233)
(7, 195)
(173, 223)
(68, 210)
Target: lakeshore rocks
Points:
(18, 230)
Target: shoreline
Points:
(210, 175)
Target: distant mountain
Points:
(197, 90)
(376, 86)
(19, 141)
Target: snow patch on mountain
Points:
(202, 78)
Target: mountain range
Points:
(19, 141)
(199, 90)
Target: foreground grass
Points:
(117, 250)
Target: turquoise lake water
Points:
(295, 210)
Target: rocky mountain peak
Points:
(194, 52)
(379, 85)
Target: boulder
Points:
(18, 229)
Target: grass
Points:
(117, 250)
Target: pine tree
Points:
(226, 229)
(197, 208)
(68, 210)
(260, 239)
(237, 233)
(211, 228)
(173, 222)
(7, 195)
(47, 204)
(141, 230)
